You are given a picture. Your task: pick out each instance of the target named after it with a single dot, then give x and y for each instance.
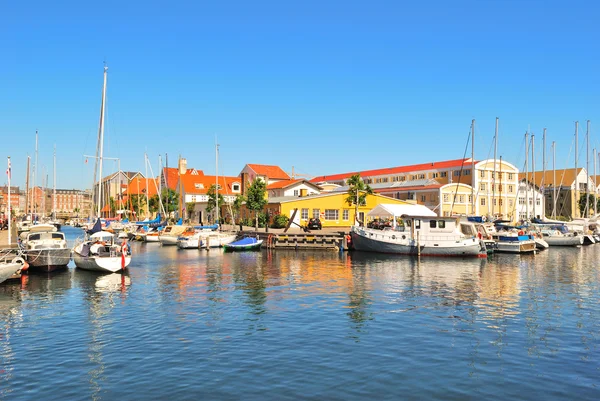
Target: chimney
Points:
(182, 166)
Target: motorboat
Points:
(45, 248)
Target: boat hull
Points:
(168, 239)
(362, 240)
(110, 264)
(10, 269)
(517, 244)
(48, 260)
(218, 240)
(564, 240)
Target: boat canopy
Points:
(395, 210)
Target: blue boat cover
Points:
(245, 241)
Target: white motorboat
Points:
(11, 264)
(169, 235)
(217, 240)
(45, 248)
(416, 230)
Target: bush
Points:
(280, 221)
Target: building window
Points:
(443, 174)
(316, 213)
(432, 224)
(421, 176)
(510, 176)
(470, 199)
(446, 198)
(236, 187)
(501, 201)
(446, 213)
(482, 201)
(304, 214)
(331, 214)
(435, 175)
(482, 186)
(537, 202)
(495, 202)
(510, 203)
(346, 215)
(510, 188)
(467, 172)
(461, 199)
(457, 173)
(482, 174)
(296, 193)
(423, 198)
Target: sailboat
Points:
(98, 251)
(217, 239)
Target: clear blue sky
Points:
(324, 86)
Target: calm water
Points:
(188, 324)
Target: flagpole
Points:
(9, 206)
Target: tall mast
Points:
(167, 182)
(595, 184)
(587, 170)
(527, 175)
(54, 186)
(147, 187)
(473, 167)
(217, 184)
(494, 174)
(533, 171)
(35, 167)
(553, 179)
(27, 187)
(543, 182)
(101, 143)
(576, 180)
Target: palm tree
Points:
(357, 193)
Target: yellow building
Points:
(331, 208)
(455, 199)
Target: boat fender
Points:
(393, 237)
(479, 235)
(520, 232)
(404, 237)
(484, 219)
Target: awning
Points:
(395, 210)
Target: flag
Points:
(8, 169)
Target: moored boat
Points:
(45, 248)
(11, 264)
(416, 230)
(245, 244)
(100, 253)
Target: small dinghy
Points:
(245, 244)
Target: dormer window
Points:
(198, 186)
(236, 187)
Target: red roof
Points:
(192, 182)
(395, 170)
(283, 184)
(137, 186)
(272, 172)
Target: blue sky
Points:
(323, 86)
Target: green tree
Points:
(212, 203)
(189, 208)
(236, 207)
(113, 205)
(170, 200)
(583, 202)
(138, 204)
(256, 198)
(357, 193)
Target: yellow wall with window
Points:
(332, 209)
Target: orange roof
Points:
(171, 175)
(564, 177)
(137, 186)
(395, 170)
(284, 184)
(272, 172)
(200, 184)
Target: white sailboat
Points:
(99, 251)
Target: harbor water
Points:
(289, 325)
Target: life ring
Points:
(484, 219)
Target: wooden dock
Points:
(325, 240)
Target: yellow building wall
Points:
(456, 199)
(333, 202)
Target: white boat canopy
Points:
(394, 210)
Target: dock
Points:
(316, 240)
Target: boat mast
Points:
(595, 184)
(472, 167)
(101, 143)
(553, 179)
(494, 174)
(534, 195)
(527, 175)
(576, 180)
(54, 187)
(147, 187)
(587, 170)
(27, 186)
(35, 167)
(543, 181)
(217, 183)
(166, 172)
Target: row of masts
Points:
(528, 180)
